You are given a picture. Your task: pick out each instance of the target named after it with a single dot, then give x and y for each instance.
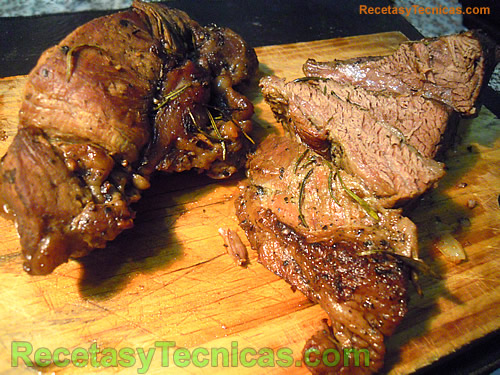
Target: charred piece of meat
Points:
(119, 98)
(323, 232)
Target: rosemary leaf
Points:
(301, 197)
(69, 57)
(313, 78)
(223, 116)
(331, 177)
(415, 264)
(370, 211)
(244, 132)
(172, 95)
(217, 132)
(330, 187)
(301, 157)
(200, 130)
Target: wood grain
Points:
(170, 279)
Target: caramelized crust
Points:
(119, 98)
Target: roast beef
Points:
(354, 138)
(122, 96)
(281, 168)
(320, 212)
(451, 69)
(328, 246)
(425, 124)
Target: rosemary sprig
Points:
(172, 95)
(69, 56)
(311, 160)
(330, 187)
(370, 211)
(217, 132)
(331, 177)
(223, 116)
(415, 264)
(200, 130)
(301, 197)
(243, 131)
(301, 157)
(312, 78)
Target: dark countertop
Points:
(260, 22)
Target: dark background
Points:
(259, 22)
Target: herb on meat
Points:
(69, 57)
(243, 131)
(331, 177)
(415, 264)
(330, 186)
(301, 197)
(299, 160)
(172, 95)
(312, 78)
(217, 132)
(370, 211)
(200, 130)
(223, 116)
(312, 160)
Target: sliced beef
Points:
(282, 167)
(336, 254)
(354, 139)
(119, 98)
(451, 69)
(320, 213)
(424, 124)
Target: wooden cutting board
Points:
(170, 280)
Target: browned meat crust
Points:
(281, 167)
(362, 290)
(451, 69)
(338, 255)
(119, 98)
(364, 296)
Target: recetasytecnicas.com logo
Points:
(168, 354)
